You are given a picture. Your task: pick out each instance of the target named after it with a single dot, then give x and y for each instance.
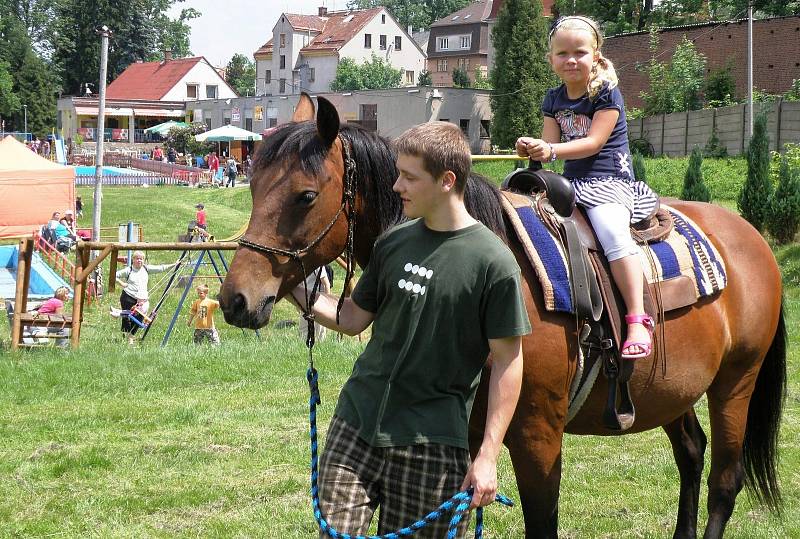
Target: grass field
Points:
(117, 441)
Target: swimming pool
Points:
(108, 171)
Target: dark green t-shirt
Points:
(438, 297)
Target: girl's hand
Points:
(522, 146)
(537, 149)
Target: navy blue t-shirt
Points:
(574, 116)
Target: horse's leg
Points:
(688, 446)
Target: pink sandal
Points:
(647, 321)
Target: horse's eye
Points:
(306, 198)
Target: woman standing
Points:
(135, 295)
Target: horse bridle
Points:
(348, 208)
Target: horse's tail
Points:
(760, 449)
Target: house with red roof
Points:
(144, 95)
(304, 50)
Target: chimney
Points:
(322, 11)
(167, 55)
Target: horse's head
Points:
(297, 190)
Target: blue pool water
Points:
(107, 171)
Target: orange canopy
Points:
(31, 189)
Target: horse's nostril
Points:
(238, 303)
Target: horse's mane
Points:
(375, 163)
(376, 172)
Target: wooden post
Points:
(20, 295)
(26, 286)
(77, 299)
(112, 271)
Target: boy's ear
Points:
(448, 180)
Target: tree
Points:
(9, 101)
(754, 198)
(416, 13)
(694, 188)
(424, 78)
(241, 74)
(675, 86)
(373, 74)
(639, 170)
(460, 78)
(521, 74)
(714, 147)
(720, 87)
(481, 81)
(182, 139)
(783, 220)
(173, 34)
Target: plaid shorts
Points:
(210, 334)
(407, 482)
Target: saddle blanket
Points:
(686, 252)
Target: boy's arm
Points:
(504, 387)
(192, 313)
(352, 319)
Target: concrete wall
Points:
(203, 75)
(676, 134)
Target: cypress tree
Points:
(694, 188)
(639, 171)
(783, 220)
(754, 197)
(521, 74)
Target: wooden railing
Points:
(54, 258)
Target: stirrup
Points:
(647, 348)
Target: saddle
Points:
(598, 305)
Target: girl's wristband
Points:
(553, 155)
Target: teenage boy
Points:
(441, 291)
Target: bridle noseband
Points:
(347, 207)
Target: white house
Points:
(305, 50)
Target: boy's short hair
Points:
(442, 146)
(202, 288)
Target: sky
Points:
(242, 26)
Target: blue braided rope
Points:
(460, 500)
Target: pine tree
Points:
(783, 220)
(694, 188)
(754, 197)
(521, 74)
(639, 171)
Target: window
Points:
(273, 122)
(248, 124)
(211, 91)
(311, 73)
(268, 76)
(383, 19)
(441, 65)
(383, 42)
(409, 77)
(463, 63)
(191, 91)
(367, 41)
(485, 128)
(283, 40)
(282, 86)
(283, 61)
(209, 123)
(398, 43)
(442, 44)
(466, 42)
(464, 125)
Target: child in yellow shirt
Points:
(202, 312)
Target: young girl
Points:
(584, 124)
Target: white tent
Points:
(227, 133)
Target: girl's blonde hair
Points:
(603, 70)
(61, 291)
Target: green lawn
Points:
(113, 441)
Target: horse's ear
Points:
(327, 121)
(305, 109)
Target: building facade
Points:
(304, 51)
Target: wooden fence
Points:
(677, 133)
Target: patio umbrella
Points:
(163, 128)
(227, 133)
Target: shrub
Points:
(642, 146)
(424, 78)
(720, 86)
(783, 219)
(794, 92)
(460, 78)
(694, 188)
(639, 171)
(754, 199)
(714, 148)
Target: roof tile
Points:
(150, 80)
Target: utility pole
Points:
(25, 107)
(750, 65)
(101, 129)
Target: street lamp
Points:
(26, 121)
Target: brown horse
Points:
(730, 347)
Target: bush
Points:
(694, 188)
(460, 78)
(642, 146)
(754, 199)
(783, 220)
(720, 86)
(639, 171)
(424, 78)
(794, 92)
(714, 148)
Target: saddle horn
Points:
(535, 179)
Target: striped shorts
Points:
(406, 482)
(636, 196)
